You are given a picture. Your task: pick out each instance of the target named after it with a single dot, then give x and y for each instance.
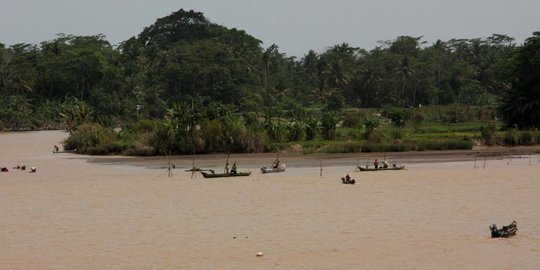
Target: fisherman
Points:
(385, 164)
(348, 178)
(376, 163)
(55, 149)
(276, 164)
(227, 168)
(233, 169)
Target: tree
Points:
(75, 113)
(329, 121)
(520, 106)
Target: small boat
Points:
(216, 175)
(506, 231)
(281, 168)
(345, 181)
(368, 169)
(64, 151)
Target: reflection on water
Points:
(73, 214)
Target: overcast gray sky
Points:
(296, 26)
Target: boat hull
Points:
(272, 170)
(506, 231)
(218, 175)
(366, 169)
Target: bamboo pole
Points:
(193, 164)
(169, 167)
(227, 163)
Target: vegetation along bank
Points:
(186, 85)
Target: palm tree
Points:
(268, 55)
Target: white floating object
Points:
(259, 254)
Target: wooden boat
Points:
(64, 151)
(345, 181)
(368, 169)
(216, 175)
(506, 231)
(281, 168)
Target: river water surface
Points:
(76, 214)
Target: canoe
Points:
(368, 169)
(506, 231)
(216, 175)
(64, 151)
(273, 170)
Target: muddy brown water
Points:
(80, 212)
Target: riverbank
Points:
(314, 160)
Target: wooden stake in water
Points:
(475, 158)
(227, 163)
(484, 162)
(169, 167)
(321, 167)
(193, 165)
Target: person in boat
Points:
(385, 164)
(227, 168)
(376, 163)
(55, 148)
(233, 169)
(275, 165)
(348, 178)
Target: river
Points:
(79, 212)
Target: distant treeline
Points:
(184, 58)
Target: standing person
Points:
(233, 169)
(385, 164)
(227, 168)
(376, 163)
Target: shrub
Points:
(511, 137)
(351, 120)
(396, 115)
(488, 134)
(94, 139)
(527, 137)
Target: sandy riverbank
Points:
(125, 213)
(300, 160)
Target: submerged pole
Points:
(169, 163)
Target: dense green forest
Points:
(185, 84)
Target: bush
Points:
(528, 137)
(351, 120)
(488, 134)
(350, 147)
(396, 115)
(511, 137)
(94, 139)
